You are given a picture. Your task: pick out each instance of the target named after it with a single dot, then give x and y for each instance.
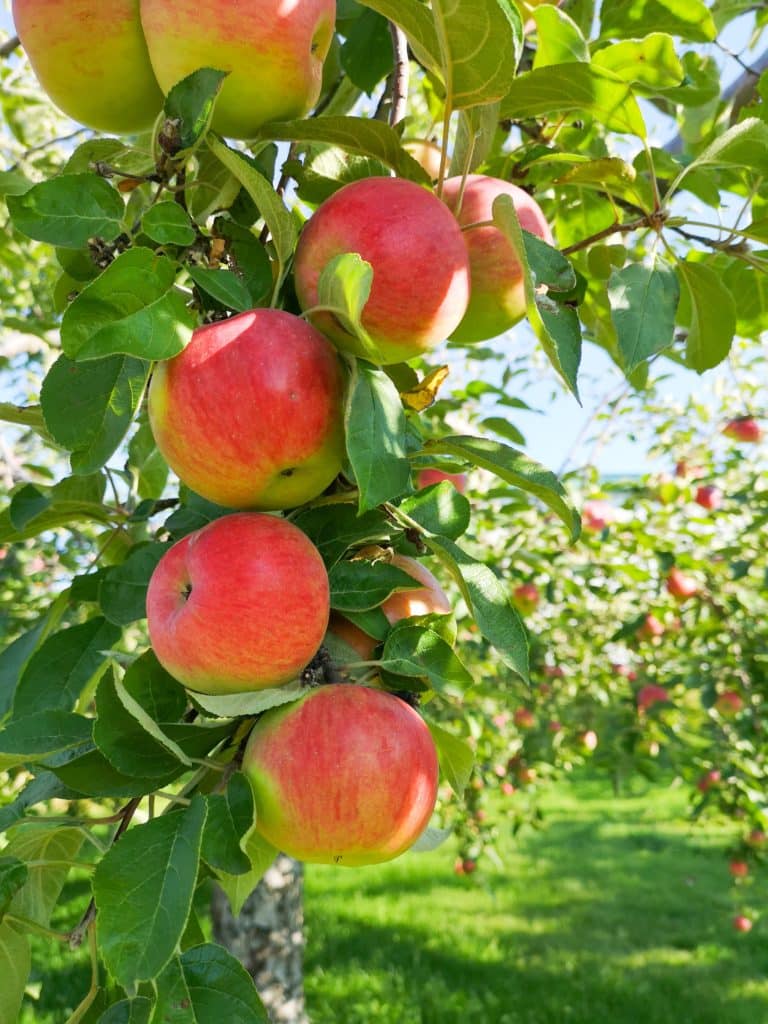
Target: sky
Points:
(550, 437)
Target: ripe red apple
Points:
(744, 428)
(708, 780)
(554, 726)
(426, 153)
(346, 775)
(729, 703)
(757, 837)
(524, 718)
(588, 740)
(681, 586)
(596, 515)
(709, 497)
(427, 477)
(497, 298)
(651, 627)
(649, 695)
(508, 789)
(741, 923)
(738, 868)
(526, 597)
(250, 414)
(240, 605)
(91, 59)
(273, 50)
(420, 265)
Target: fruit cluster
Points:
(250, 415)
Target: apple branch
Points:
(9, 46)
(399, 96)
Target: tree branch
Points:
(400, 75)
(612, 229)
(9, 46)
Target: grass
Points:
(618, 912)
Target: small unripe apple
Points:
(651, 628)
(738, 868)
(524, 718)
(709, 496)
(91, 59)
(596, 515)
(240, 605)
(426, 153)
(420, 265)
(346, 775)
(250, 413)
(744, 428)
(526, 597)
(497, 300)
(649, 695)
(709, 780)
(729, 703)
(681, 586)
(427, 477)
(742, 923)
(273, 51)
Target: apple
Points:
(649, 695)
(709, 780)
(524, 718)
(681, 586)
(741, 923)
(508, 789)
(553, 672)
(738, 868)
(91, 59)
(345, 775)
(240, 605)
(744, 428)
(250, 413)
(729, 703)
(554, 726)
(273, 51)
(427, 477)
(588, 740)
(420, 265)
(708, 496)
(757, 837)
(596, 515)
(426, 153)
(526, 597)
(651, 627)
(497, 299)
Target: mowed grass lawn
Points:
(617, 912)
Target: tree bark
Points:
(268, 938)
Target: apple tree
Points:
(254, 287)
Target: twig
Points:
(399, 100)
(635, 225)
(9, 46)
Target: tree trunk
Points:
(268, 938)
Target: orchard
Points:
(292, 297)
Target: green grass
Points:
(618, 912)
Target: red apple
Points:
(596, 515)
(757, 837)
(420, 265)
(507, 789)
(744, 428)
(554, 726)
(524, 718)
(651, 627)
(526, 597)
(708, 780)
(346, 775)
(741, 923)
(708, 496)
(649, 695)
(250, 414)
(681, 586)
(427, 477)
(240, 605)
(588, 740)
(91, 59)
(426, 153)
(729, 703)
(497, 299)
(738, 868)
(273, 50)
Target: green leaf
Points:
(413, 650)
(343, 289)
(26, 504)
(168, 224)
(24, 416)
(38, 842)
(89, 407)
(143, 889)
(466, 28)
(282, 226)
(643, 308)
(475, 133)
(710, 315)
(13, 875)
(38, 735)
(239, 887)
(15, 965)
(360, 585)
(744, 146)
(43, 787)
(333, 529)
(63, 667)
(146, 462)
(488, 603)
(207, 985)
(91, 774)
(123, 590)
(69, 210)
(560, 40)
(689, 19)
(35, 510)
(547, 265)
(651, 62)
(575, 88)
(514, 467)
(224, 286)
(238, 705)
(376, 436)
(361, 135)
(133, 308)
(456, 758)
(366, 53)
(230, 816)
(15, 657)
(249, 260)
(155, 689)
(190, 104)
(415, 19)
(440, 509)
(128, 1011)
